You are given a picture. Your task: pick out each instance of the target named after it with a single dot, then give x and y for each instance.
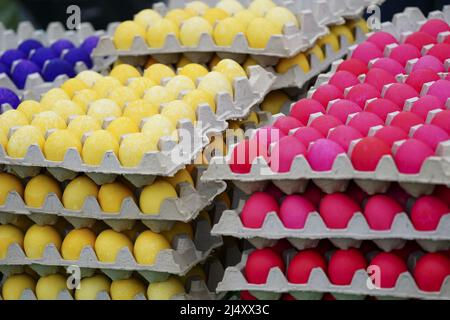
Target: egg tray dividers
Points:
(186, 254)
(295, 77)
(318, 282)
(173, 156)
(197, 288)
(10, 39)
(293, 41)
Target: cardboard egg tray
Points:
(318, 283)
(186, 253)
(172, 156)
(184, 208)
(10, 39)
(197, 288)
(291, 42)
(295, 77)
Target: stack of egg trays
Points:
(184, 208)
(10, 39)
(435, 170)
(295, 77)
(198, 289)
(272, 230)
(293, 41)
(318, 282)
(172, 156)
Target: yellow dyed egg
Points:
(178, 16)
(281, 16)
(179, 228)
(147, 247)
(158, 32)
(10, 119)
(125, 33)
(109, 243)
(274, 101)
(83, 124)
(74, 85)
(300, 61)
(330, 40)
(84, 98)
(122, 126)
(230, 6)
(261, 7)
(67, 108)
(9, 183)
(105, 85)
(104, 108)
(156, 72)
(181, 176)
(198, 7)
(53, 95)
(158, 95)
(139, 109)
(213, 15)
(9, 234)
(126, 289)
(75, 241)
(49, 287)
(140, 85)
(193, 71)
(158, 126)
(231, 69)
(196, 97)
(178, 84)
(226, 30)
(122, 96)
(177, 110)
(22, 139)
(192, 29)
(183, 61)
(259, 32)
(48, 120)
(90, 287)
(58, 143)
(153, 195)
(214, 83)
(16, 284)
(96, 145)
(89, 77)
(77, 191)
(133, 148)
(37, 238)
(165, 290)
(38, 188)
(245, 16)
(111, 196)
(123, 72)
(29, 108)
(147, 17)
(343, 31)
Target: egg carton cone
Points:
(186, 254)
(318, 282)
(295, 77)
(184, 208)
(292, 41)
(10, 39)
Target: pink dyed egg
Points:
(442, 120)
(361, 93)
(382, 107)
(405, 120)
(326, 93)
(354, 66)
(411, 155)
(242, 157)
(264, 137)
(431, 135)
(302, 264)
(419, 77)
(381, 39)
(259, 263)
(324, 123)
(337, 210)
(434, 26)
(287, 123)
(322, 153)
(425, 104)
(427, 212)
(399, 93)
(420, 39)
(343, 265)
(440, 51)
(304, 108)
(404, 52)
(429, 62)
(294, 211)
(367, 153)
(344, 135)
(343, 79)
(441, 90)
(390, 65)
(283, 153)
(378, 78)
(363, 121)
(256, 209)
(391, 266)
(431, 270)
(380, 211)
(390, 135)
(342, 108)
(307, 135)
(366, 52)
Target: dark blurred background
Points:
(101, 12)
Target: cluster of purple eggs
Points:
(31, 56)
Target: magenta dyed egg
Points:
(418, 78)
(361, 93)
(411, 155)
(364, 120)
(380, 211)
(378, 78)
(366, 52)
(440, 51)
(322, 154)
(294, 211)
(390, 65)
(355, 66)
(344, 264)
(343, 79)
(442, 120)
(435, 26)
(420, 39)
(324, 123)
(390, 135)
(242, 157)
(405, 120)
(284, 152)
(404, 52)
(256, 209)
(399, 93)
(287, 123)
(264, 137)
(426, 213)
(390, 267)
(382, 107)
(431, 135)
(381, 39)
(344, 135)
(304, 108)
(425, 104)
(431, 270)
(337, 210)
(307, 135)
(429, 62)
(342, 108)
(441, 90)
(259, 263)
(367, 153)
(326, 93)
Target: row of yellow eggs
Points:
(262, 20)
(49, 287)
(110, 195)
(107, 244)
